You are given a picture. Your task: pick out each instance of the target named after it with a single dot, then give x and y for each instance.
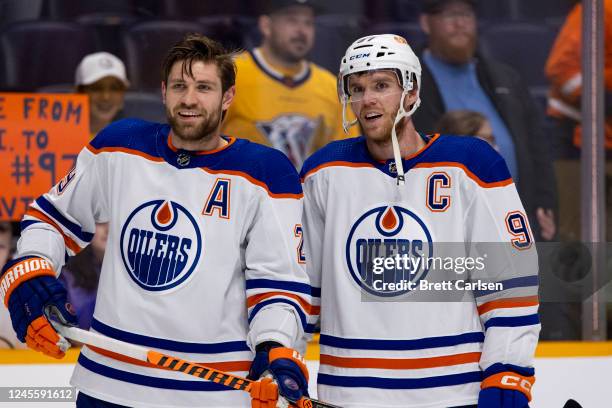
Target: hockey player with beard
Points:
(184, 271)
(385, 341)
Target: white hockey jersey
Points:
(202, 262)
(462, 299)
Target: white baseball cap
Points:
(94, 67)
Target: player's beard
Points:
(383, 134)
(199, 131)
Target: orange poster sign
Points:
(40, 138)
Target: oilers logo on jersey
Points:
(160, 245)
(292, 134)
(388, 232)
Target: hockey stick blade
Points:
(169, 362)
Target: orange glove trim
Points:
(508, 380)
(42, 337)
(291, 354)
(21, 272)
(264, 393)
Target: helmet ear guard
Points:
(377, 52)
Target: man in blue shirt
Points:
(455, 77)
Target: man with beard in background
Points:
(282, 99)
(183, 271)
(456, 77)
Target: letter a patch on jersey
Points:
(219, 199)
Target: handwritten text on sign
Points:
(40, 138)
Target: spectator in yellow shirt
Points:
(282, 99)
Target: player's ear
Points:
(228, 97)
(264, 23)
(163, 91)
(424, 23)
(411, 97)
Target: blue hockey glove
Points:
(506, 386)
(500, 398)
(286, 366)
(29, 288)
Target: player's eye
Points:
(381, 86)
(178, 86)
(354, 90)
(203, 87)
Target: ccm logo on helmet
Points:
(353, 57)
(515, 381)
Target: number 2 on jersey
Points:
(297, 231)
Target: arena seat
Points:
(334, 33)
(69, 9)
(39, 53)
(233, 31)
(410, 31)
(524, 46)
(144, 105)
(530, 10)
(146, 44)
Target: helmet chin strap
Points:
(346, 125)
(401, 113)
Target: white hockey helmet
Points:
(376, 52)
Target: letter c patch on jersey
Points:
(436, 201)
(219, 199)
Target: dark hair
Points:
(460, 122)
(196, 47)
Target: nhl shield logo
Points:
(160, 245)
(386, 251)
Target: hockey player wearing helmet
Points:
(389, 338)
(380, 78)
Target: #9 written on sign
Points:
(40, 138)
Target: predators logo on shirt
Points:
(297, 113)
(292, 134)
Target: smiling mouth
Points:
(188, 115)
(371, 117)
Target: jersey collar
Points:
(291, 82)
(388, 166)
(183, 159)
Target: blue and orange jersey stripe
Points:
(308, 308)
(68, 241)
(400, 363)
(471, 175)
(236, 173)
(508, 303)
(223, 365)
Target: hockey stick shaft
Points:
(168, 362)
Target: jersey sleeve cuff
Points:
(277, 324)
